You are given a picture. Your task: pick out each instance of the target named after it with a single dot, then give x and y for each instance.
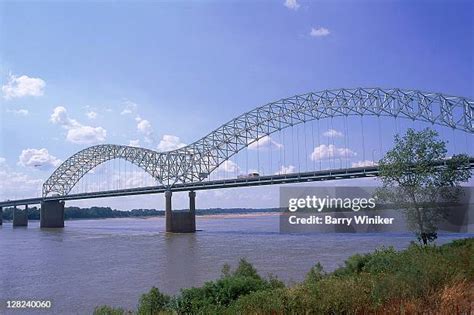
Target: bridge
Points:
(191, 167)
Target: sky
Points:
(163, 74)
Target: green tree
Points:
(314, 275)
(153, 302)
(226, 272)
(108, 310)
(215, 296)
(245, 269)
(413, 179)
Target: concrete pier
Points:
(52, 214)
(180, 221)
(168, 211)
(20, 217)
(192, 209)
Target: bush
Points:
(153, 302)
(314, 275)
(215, 296)
(218, 293)
(107, 310)
(245, 269)
(260, 302)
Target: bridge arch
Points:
(196, 161)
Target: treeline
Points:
(107, 212)
(33, 213)
(418, 280)
(88, 213)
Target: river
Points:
(114, 261)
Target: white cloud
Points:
(76, 132)
(19, 112)
(17, 185)
(91, 115)
(319, 32)
(136, 179)
(2, 161)
(265, 142)
(228, 167)
(23, 86)
(14, 185)
(170, 142)
(144, 126)
(39, 158)
(292, 4)
(86, 135)
(363, 163)
(324, 152)
(332, 133)
(130, 107)
(286, 170)
(59, 116)
(134, 143)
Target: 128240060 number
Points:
(28, 304)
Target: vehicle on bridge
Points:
(203, 175)
(249, 175)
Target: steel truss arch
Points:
(196, 161)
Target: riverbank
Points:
(75, 213)
(431, 279)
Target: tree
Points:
(412, 178)
(314, 275)
(245, 269)
(107, 310)
(226, 272)
(153, 302)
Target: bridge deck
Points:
(214, 184)
(345, 173)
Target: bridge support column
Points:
(192, 209)
(20, 217)
(168, 211)
(180, 221)
(1, 215)
(52, 214)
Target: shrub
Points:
(245, 269)
(153, 302)
(218, 293)
(215, 296)
(314, 275)
(107, 310)
(260, 302)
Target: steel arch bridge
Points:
(194, 162)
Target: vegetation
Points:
(412, 180)
(153, 302)
(421, 279)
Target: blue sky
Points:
(79, 73)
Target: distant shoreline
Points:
(94, 213)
